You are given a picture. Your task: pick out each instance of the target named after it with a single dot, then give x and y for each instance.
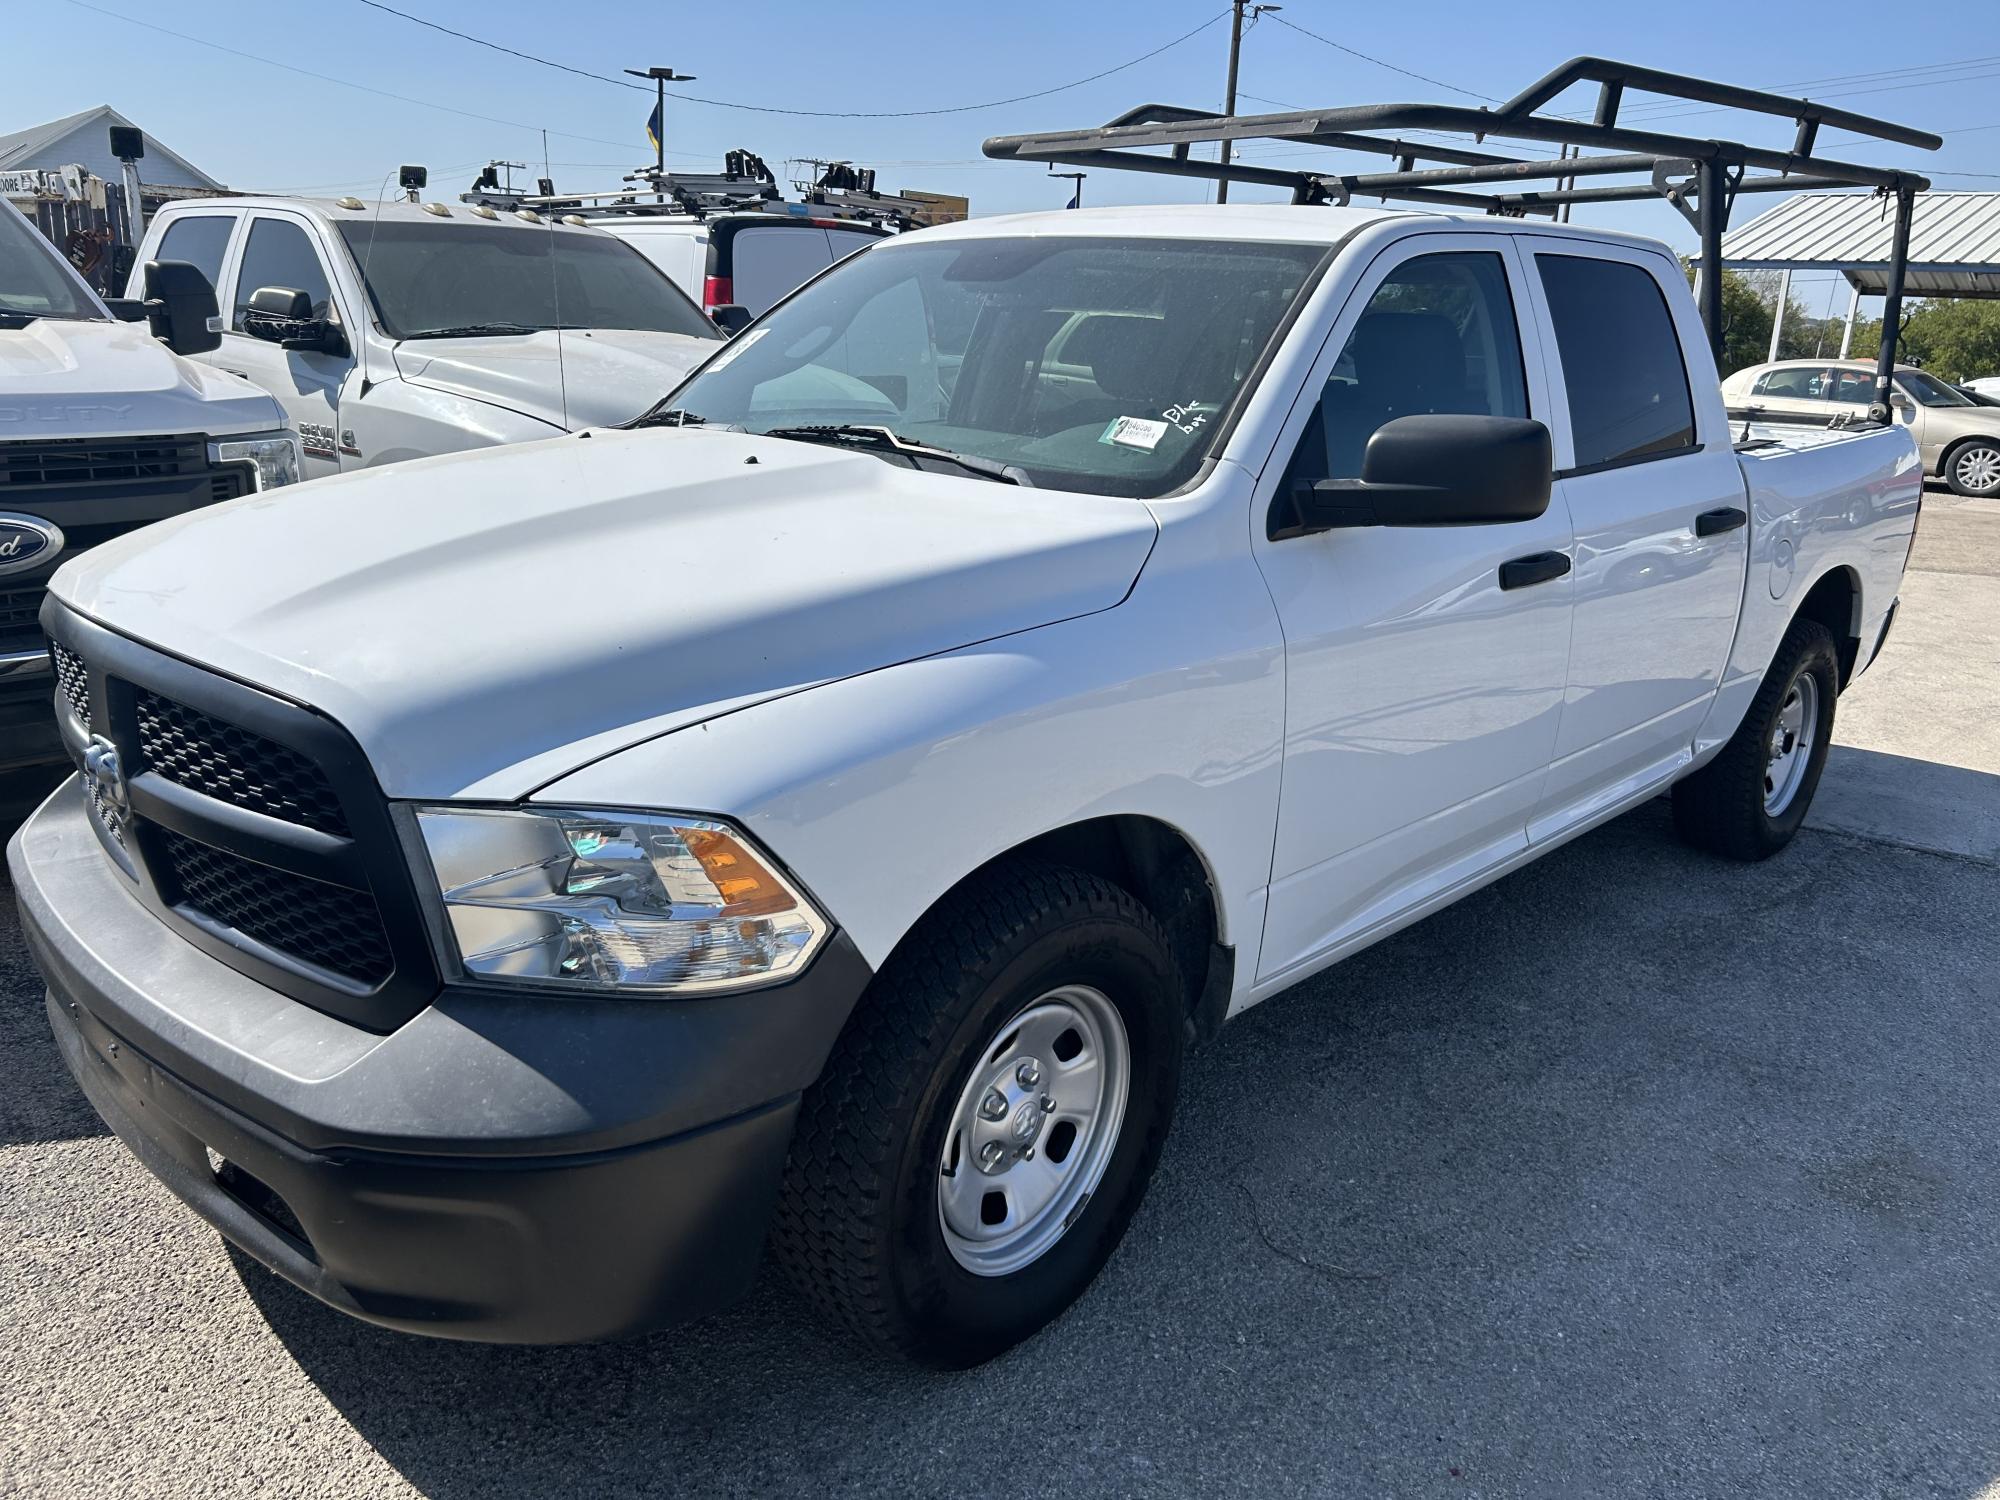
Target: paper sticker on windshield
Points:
(736, 346)
(1134, 432)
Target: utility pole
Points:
(1076, 199)
(1237, 10)
(661, 78)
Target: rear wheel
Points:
(988, 1122)
(1974, 468)
(1749, 801)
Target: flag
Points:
(654, 126)
(1076, 198)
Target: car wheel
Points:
(1749, 801)
(1974, 469)
(990, 1118)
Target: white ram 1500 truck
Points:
(402, 330)
(505, 890)
(104, 426)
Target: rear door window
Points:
(846, 241)
(768, 263)
(1621, 360)
(200, 240)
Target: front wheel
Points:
(1974, 469)
(1749, 801)
(989, 1120)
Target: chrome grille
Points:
(73, 682)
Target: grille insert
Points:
(236, 766)
(329, 926)
(39, 465)
(74, 683)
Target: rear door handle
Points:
(1538, 567)
(1715, 522)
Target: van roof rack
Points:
(744, 185)
(1701, 178)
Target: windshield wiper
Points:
(882, 440)
(677, 417)
(471, 331)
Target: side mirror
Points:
(731, 317)
(1438, 470)
(1900, 400)
(127, 309)
(284, 316)
(180, 307)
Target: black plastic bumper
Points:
(496, 1169)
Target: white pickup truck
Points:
(402, 330)
(503, 891)
(105, 425)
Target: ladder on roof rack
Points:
(1701, 178)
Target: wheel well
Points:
(1951, 452)
(1835, 601)
(1156, 863)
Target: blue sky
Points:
(260, 126)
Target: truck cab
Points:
(106, 424)
(400, 330)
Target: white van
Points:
(394, 331)
(741, 260)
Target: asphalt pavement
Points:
(1637, 1173)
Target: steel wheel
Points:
(1791, 745)
(1977, 469)
(1033, 1130)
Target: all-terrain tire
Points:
(858, 1224)
(1723, 807)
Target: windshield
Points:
(1104, 365)
(34, 283)
(429, 279)
(1928, 390)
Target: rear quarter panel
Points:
(1822, 502)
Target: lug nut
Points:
(994, 1105)
(991, 1155)
(1048, 1104)
(1028, 1074)
(1029, 1154)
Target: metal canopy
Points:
(1954, 242)
(1701, 178)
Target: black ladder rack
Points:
(1701, 178)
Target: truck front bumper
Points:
(516, 1170)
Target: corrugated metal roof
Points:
(1954, 241)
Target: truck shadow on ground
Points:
(1633, 1164)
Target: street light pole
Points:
(1237, 9)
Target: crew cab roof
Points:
(1311, 224)
(331, 211)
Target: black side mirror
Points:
(180, 307)
(127, 309)
(284, 316)
(731, 317)
(1437, 470)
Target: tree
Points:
(1746, 320)
(1955, 338)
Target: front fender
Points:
(396, 421)
(882, 791)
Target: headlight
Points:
(653, 901)
(275, 456)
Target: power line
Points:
(345, 82)
(1392, 67)
(814, 114)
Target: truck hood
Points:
(63, 379)
(485, 622)
(606, 375)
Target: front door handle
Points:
(1537, 567)
(1715, 522)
